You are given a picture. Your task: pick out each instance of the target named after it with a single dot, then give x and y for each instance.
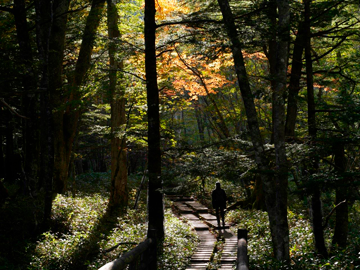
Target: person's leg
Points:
(222, 216)
(218, 216)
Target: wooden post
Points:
(242, 257)
(152, 251)
(149, 258)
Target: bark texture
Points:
(30, 124)
(155, 196)
(294, 84)
(281, 238)
(275, 191)
(66, 122)
(316, 193)
(342, 211)
(277, 223)
(118, 192)
(44, 19)
(56, 54)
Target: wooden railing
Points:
(242, 256)
(142, 257)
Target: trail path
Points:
(202, 220)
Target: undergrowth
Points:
(83, 235)
(301, 242)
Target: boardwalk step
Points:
(214, 224)
(198, 225)
(190, 216)
(200, 219)
(197, 266)
(198, 207)
(177, 198)
(207, 216)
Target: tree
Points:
(280, 56)
(118, 192)
(66, 121)
(29, 84)
(155, 196)
(315, 200)
(275, 191)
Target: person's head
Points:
(217, 184)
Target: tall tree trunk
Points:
(316, 193)
(56, 56)
(9, 149)
(200, 121)
(294, 84)
(281, 169)
(66, 122)
(30, 125)
(269, 186)
(44, 19)
(342, 211)
(2, 160)
(155, 196)
(279, 17)
(118, 193)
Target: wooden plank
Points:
(128, 257)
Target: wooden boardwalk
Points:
(202, 220)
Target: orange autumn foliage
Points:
(168, 8)
(187, 80)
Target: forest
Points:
(108, 107)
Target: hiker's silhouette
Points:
(219, 199)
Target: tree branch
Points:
(332, 212)
(7, 9)
(159, 54)
(12, 110)
(329, 51)
(330, 110)
(326, 10)
(187, 22)
(127, 72)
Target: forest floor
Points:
(79, 221)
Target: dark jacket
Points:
(218, 198)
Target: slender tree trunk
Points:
(118, 193)
(9, 149)
(212, 120)
(271, 53)
(279, 17)
(342, 211)
(66, 122)
(155, 196)
(30, 125)
(44, 20)
(281, 169)
(2, 160)
(200, 121)
(316, 195)
(269, 186)
(56, 55)
(294, 85)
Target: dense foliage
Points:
(82, 230)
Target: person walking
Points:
(219, 199)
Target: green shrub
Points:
(301, 242)
(82, 232)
